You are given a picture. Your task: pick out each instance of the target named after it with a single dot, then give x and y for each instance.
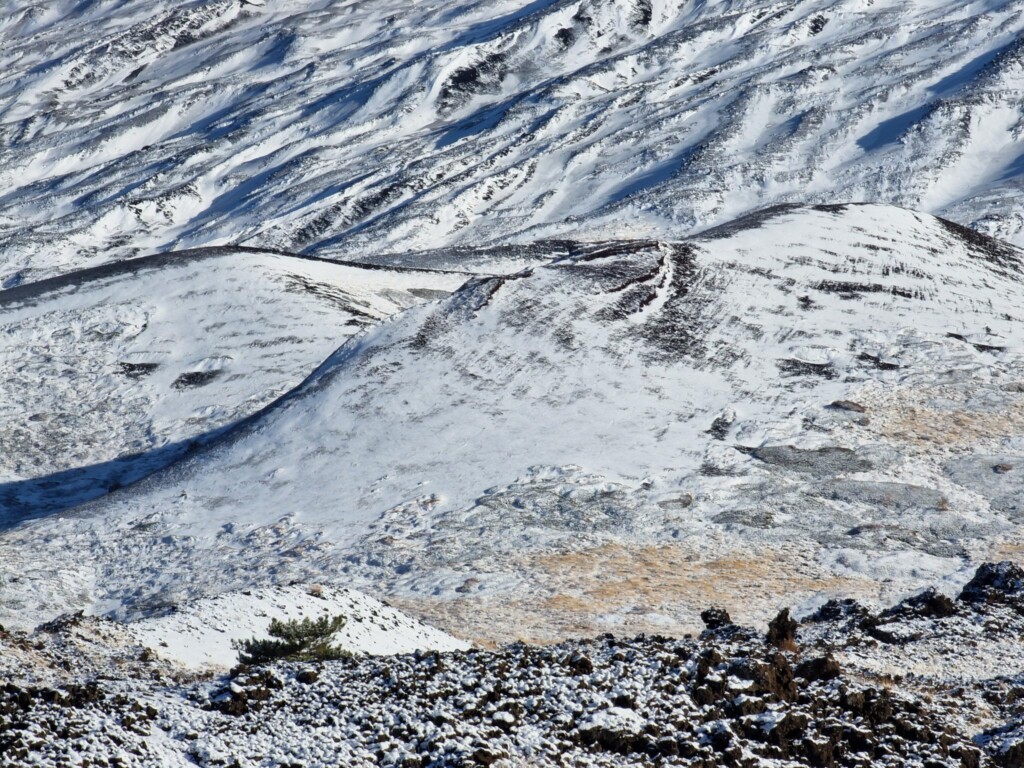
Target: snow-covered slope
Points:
(342, 127)
(807, 402)
(112, 372)
(199, 634)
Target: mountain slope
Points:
(113, 372)
(805, 402)
(335, 127)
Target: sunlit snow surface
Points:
(357, 128)
(200, 634)
(113, 372)
(611, 440)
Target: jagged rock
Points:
(667, 746)
(753, 724)
(62, 622)
(847, 405)
(994, 583)
(1010, 755)
(773, 676)
(969, 756)
(872, 704)
(720, 427)
(715, 618)
(927, 604)
(615, 729)
(782, 631)
(580, 664)
(819, 752)
(819, 668)
(484, 756)
(791, 726)
(836, 610)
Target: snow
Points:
(615, 719)
(113, 373)
(537, 319)
(199, 634)
(540, 441)
(359, 129)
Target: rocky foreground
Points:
(932, 681)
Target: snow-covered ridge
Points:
(813, 401)
(199, 634)
(348, 128)
(112, 372)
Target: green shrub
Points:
(294, 640)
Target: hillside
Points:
(113, 372)
(346, 128)
(590, 383)
(808, 403)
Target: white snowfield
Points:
(809, 402)
(340, 127)
(199, 634)
(113, 372)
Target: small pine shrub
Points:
(294, 640)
